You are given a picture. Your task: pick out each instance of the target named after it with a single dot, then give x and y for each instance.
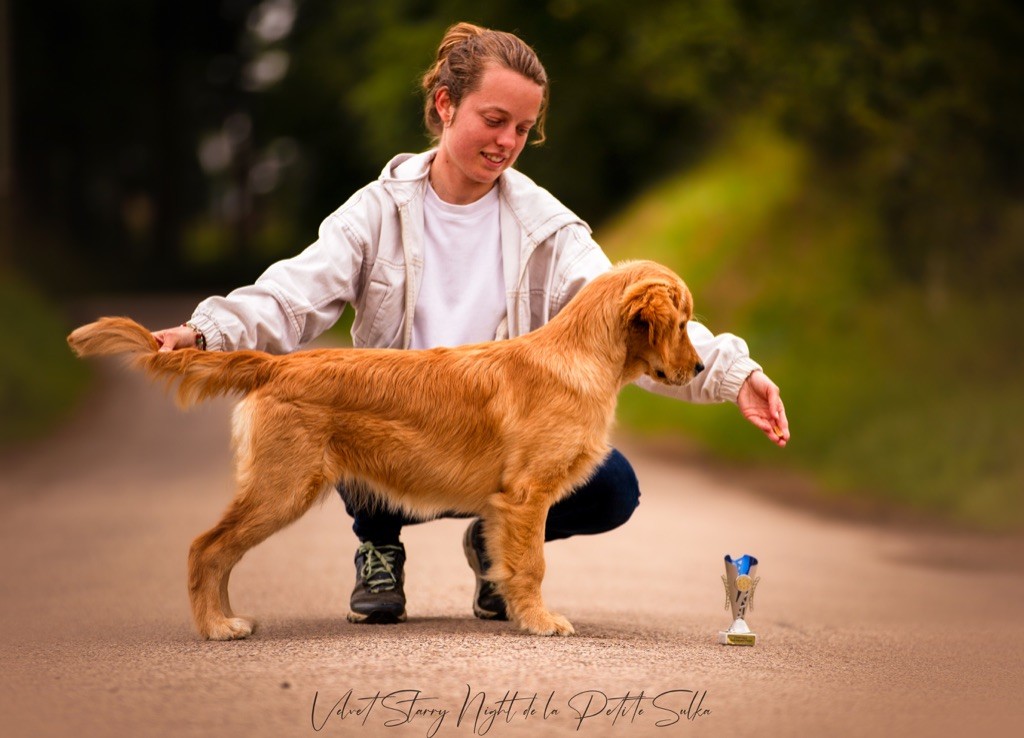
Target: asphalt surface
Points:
(865, 628)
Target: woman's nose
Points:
(507, 138)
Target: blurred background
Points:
(841, 183)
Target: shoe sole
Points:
(376, 618)
(474, 564)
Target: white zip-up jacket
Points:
(369, 254)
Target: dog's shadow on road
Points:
(429, 626)
(436, 627)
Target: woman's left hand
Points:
(761, 404)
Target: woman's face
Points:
(484, 135)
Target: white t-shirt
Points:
(462, 296)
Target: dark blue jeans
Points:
(604, 502)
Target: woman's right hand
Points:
(180, 337)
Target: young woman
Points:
(454, 246)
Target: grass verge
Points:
(39, 377)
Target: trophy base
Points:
(737, 635)
(727, 638)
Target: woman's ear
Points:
(651, 306)
(444, 105)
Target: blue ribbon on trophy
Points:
(740, 582)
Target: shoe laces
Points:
(378, 569)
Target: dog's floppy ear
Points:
(650, 306)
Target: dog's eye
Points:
(682, 325)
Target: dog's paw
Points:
(542, 622)
(229, 629)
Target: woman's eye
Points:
(522, 131)
(492, 122)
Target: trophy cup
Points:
(740, 582)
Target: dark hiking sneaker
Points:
(487, 603)
(378, 597)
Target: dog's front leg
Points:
(514, 534)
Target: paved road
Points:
(866, 629)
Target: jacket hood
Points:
(538, 212)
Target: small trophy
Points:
(740, 583)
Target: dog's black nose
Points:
(697, 368)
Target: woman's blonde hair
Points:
(462, 58)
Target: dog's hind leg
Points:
(264, 504)
(514, 533)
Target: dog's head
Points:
(656, 307)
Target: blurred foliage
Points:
(39, 376)
(890, 394)
(915, 105)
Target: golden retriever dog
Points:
(500, 430)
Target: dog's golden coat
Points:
(501, 430)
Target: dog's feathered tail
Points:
(200, 374)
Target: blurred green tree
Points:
(915, 103)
